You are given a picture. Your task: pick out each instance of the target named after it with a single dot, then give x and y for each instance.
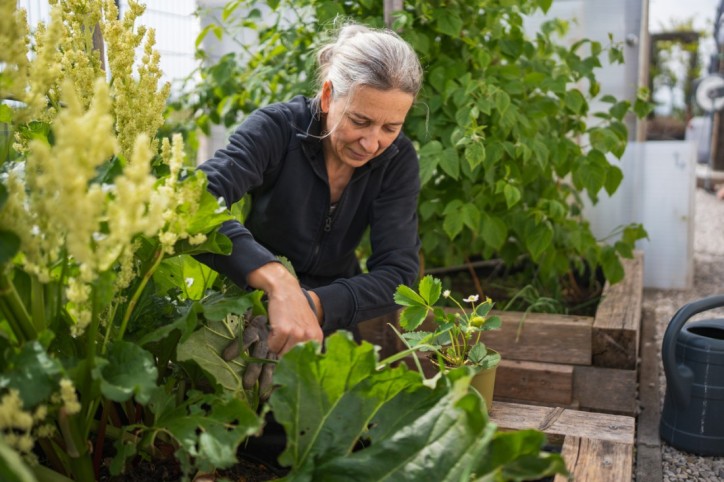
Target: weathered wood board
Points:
(617, 324)
(597, 447)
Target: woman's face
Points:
(363, 124)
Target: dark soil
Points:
(168, 470)
(514, 288)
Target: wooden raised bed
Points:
(589, 363)
(597, 447)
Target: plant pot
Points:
(484, 383)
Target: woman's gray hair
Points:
(377, 58)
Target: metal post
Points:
(390, 7)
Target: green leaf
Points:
(412, 316)
(453, 224)
(575, 101)
(611, 265)
(494, 231)
(448, 22)
(475, 154)
(592, 173)
(406, 296)
(539, 239)
(450, 163)
(191, 276)
(407, 418)
(512, 195)
(9, 246)
(127, 371)
(205, 346)
(614, 176)
(211, 428)
(12, 466)
(33, 373)
(219, 305)
(430, 289)
(517, 456)
(471, 216)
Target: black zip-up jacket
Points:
(276, 155)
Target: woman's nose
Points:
(370, 142)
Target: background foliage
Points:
(111, 332)
(507, 140)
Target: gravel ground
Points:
(708, 280)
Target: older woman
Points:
(321, 171)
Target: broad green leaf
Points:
(475, 154)
(575, 101)
(430, 289)
(126, 371)
(493, 230)
(512, 195)
(406, 296)
(211, 428)
(450, 163)
(453, 224)
(502, 102)
(205, 346)
(9, 245)
(539, 239)
(33, 373)
(219, 305)
(412, 317)
(516, 456)
(592, 175)
(440, 437)
(611, 265)
(12, 466)
(471, 216)
(186, 273)
(417, 433)
(614, 176)
(448, 22)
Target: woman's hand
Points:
(290, 316)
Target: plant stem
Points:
(14, 310)
(81, 466)
(474, 276)
(157, 257)
(37, 303)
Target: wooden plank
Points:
(596, 460)
(606, 389)
(617, 323)
(648, 441)
(544, 337)
(534, 381)
(559, 422)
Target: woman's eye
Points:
(359, 123)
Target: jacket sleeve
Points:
(255, 148)
(395, 246)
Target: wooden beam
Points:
(596, 460)
(543, 337)
(532, 381)
(559, 422)
(609, 390)
(617, 323)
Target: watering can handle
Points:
(677, 378)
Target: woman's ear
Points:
(326, 97)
